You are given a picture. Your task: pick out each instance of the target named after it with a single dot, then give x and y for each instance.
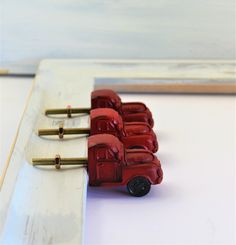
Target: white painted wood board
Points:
(125, 29)
(13, 97)
(150, 69)
(41, 206)
(168, 76)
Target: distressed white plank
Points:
(13, 96)
(41, 206)
(143, 69)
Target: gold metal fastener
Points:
(68, 111)
(61, 131)
(58, 161)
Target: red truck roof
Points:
(110, 141)
(104, 93)
(107, 114)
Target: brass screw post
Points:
(58, 161)
(63, 131)
(68, 111)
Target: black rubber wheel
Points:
(139, 186)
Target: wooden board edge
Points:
(6, 165)
(173, 88)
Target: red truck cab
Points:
(130, 112)
(132, 135)
(110, 164)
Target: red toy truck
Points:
(108, 121)
(130, 111)
(132, 135)
(105, 98)
(109, 164)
